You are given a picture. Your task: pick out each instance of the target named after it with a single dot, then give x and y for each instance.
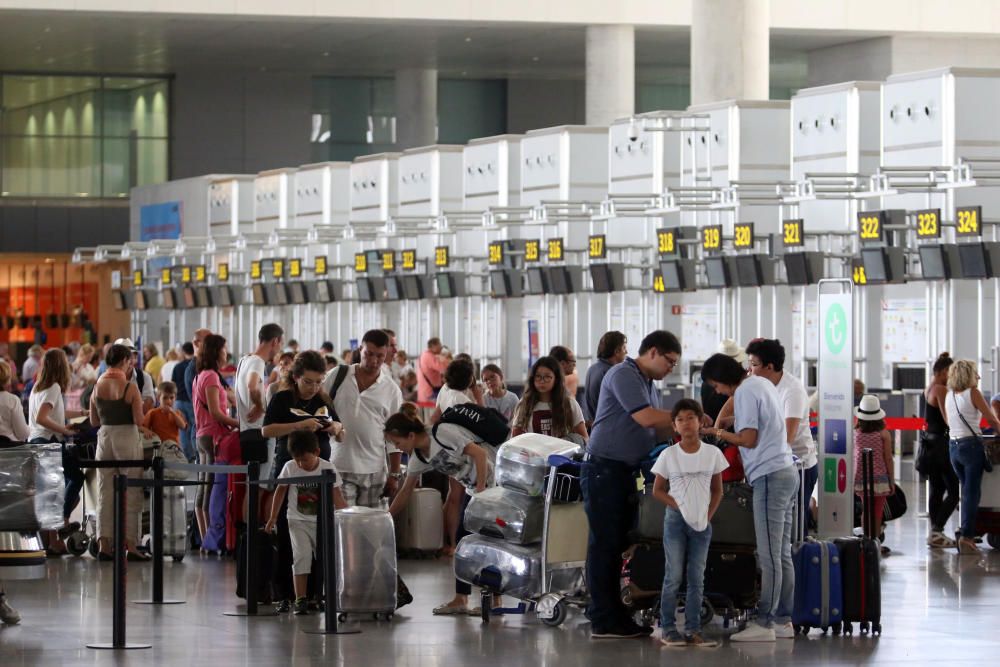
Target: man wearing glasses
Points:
(628, 424)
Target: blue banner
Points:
(160, 221)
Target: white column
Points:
(416, 107)
(729, 50)
(610, 73)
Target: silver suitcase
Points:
(511, 569)
(31, 487)
(366, 561)
(523, 462)
(507, 515)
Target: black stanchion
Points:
(118, 609)
(156, 544)
(252, 566)
(328, 520)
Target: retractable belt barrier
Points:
(327, 524)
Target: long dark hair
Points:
(209, 353)
(562, 413)
(309, 360)
(404, 422)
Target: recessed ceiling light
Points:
(47, 29)
(468, 39)
(326, 54)
(465, 73)
(535, 59)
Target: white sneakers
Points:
(786, 631)
(8, 615)
(755, 633)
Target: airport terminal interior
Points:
(592, 309)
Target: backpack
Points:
(486, 423)
(171, 452)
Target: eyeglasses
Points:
(571, 361)
(672, 361)
(545, 378)
(310, 383)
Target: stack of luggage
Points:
(504, 553)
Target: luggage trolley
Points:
(561, 582)
(988, 516)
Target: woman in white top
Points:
(47, 423)
(12, 424)
(965, 407)
(84, 373)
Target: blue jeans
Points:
(811, 477)
(188, 437)
(969, 460)
(773, 511)
(607, 488)
(680, 542)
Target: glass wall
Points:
(357, 116)
(82, 136)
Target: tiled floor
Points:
(938, 607)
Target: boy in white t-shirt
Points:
(303, 508)
(689, 482)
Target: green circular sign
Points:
(835, 328)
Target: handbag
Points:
(930, 448)
(895, 505)
(988, 450)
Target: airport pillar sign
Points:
(835, 380)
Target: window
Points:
(82, 136)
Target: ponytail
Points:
(404, 422)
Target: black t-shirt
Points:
(280, 411)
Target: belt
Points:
(590, 458)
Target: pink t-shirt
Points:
(430, 375)
(205, 424)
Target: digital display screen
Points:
(259, 294)
(537, 281)
(393, 288)
(797, 268)
(973, 260)
(118, 298)
(225, 295)
(187, 294)
(169, 298)
(203, 298)
(933, 263)
(366, 291)
(559, 280)
(297, 293)
(323, 291)
(500, 283)
(140, 301)
(280, 294)
(445, 285)
(673, 278)
(413, 287)
(600, 275)
(876, 265)
(748, 272)
(717, 272)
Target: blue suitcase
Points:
(819, 595)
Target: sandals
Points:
(450, 610)
(938, 540)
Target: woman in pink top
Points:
(211, 414)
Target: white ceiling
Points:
(157, 44)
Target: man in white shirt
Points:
(32, 363)
(366, 397)
(250, 376)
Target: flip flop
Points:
(450, 610)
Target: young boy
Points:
(303, 507)
(689, 482)
(166, 421)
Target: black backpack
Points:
(486, 423)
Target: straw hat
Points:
(731, 348)
(126, 342)
(869, 409)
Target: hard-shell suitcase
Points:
(267, 558)
(523, 462)
(819, 597)
(420, 526)
(502, 567)
(859, 564)
(732, 575)
(366, 561)
(506, 514)
(733, 520)
(649, 519)
(231, 454)
(174, 522)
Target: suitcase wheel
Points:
(387, 616)
(848, 629)
(836, 629)
(559, 614)
(77, 543)
(707, 611)
(178, 558)
(486, 605)
(877, 629)
(865, 627)
(342, 617)
(993, 539)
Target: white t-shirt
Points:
(449, 398)
(54, 396)
(167, 371)
(12, 422)
(363, 415)
(148, 386)
(541, 419)
(795, 401)
(250, 364)
(303, 499)
(690, 478)
(446, 456)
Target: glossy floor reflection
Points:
(937, 607)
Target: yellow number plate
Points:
(255, 272)
(360, 262)
(743, 235)
(295, 268)
(597, 249)
(859, 275)
(555, 253)
(166, 277)
(409, 260)
(222, 272)
(388, 260)
(666, 241)
(711, 238)
(870, 226)
(968, 220)
(929, 223)
(441, 257)
(658, 286)
(185, 274)
(531, 251)
(278, 268)
(496, 253)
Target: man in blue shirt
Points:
(611, 351)
(628, 424)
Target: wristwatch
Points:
(396, 475)
(718, 434)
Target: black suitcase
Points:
(859, 564)
(644, 570)
(732, 576)
(267, 558)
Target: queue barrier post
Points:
(328, 540)
(252, 607)
(156, 530)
